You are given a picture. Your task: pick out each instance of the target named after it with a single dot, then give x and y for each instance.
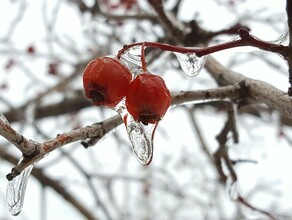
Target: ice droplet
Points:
(141, 135)
(16, 191)
(132, 60)
(190, 63)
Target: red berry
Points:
(30, 50)
(147, 98)
(105, 81)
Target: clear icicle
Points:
(190, 63)
(132, 60)
(16, 191)
(141, 136)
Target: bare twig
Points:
(69, 104)
(242, 201)
(174, 31)
(22, 8)
(222, 154)
(96, 10)
(94, 192)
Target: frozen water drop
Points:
(16, 191)
(190, 63)
(140, 135)
(132, 60)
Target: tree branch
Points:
(175, 32)
(253, 91)
(67, 105)
(27, 147)
(222, 155)
(257, 91)
(96, 131)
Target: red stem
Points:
(143, 60)
(245, 40)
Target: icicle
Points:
(132, 60)
(16, 191)
(141, 136)
(190, 63)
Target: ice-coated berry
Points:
(105, 81)
(147, 98)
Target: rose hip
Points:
(147, 98)
(105, 81)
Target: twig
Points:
(222, 154)
(242, 201)
(246, 39)
(174, 31)
(222, 138)
(90, 184)
(95, 130)
(198, 132)
(96, 10)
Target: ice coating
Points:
(140, 135)
(132, 60)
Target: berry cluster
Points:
(106, 82)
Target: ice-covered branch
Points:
(257, 91)
(238, 88)
(98, 130)
(28, 148)
(246, 39)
